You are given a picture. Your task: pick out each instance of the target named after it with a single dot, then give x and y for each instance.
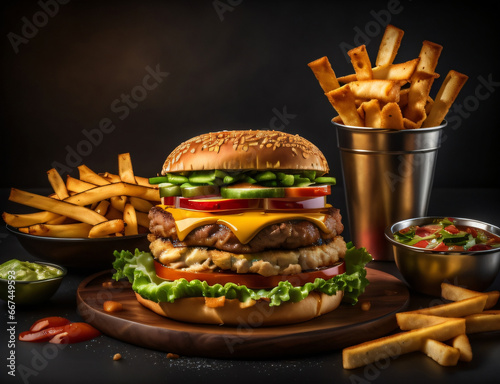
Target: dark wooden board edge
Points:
(348, 325)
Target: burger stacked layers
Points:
(244, 233)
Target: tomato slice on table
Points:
(250, 280)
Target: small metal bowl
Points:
(31, 292)
(425, 270)
(79, 252)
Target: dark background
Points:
(231, 64)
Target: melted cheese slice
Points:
(245, 225)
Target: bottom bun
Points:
(233, 312)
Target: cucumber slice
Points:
(325, 180)
(169, 189)
(202, 177)
(265, 176)
(176, 179)
(190, 190)
(251, 192)
(158, 180)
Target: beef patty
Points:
(286, 235)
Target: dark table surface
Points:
(92, 362)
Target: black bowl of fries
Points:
(448, 257)
(88, 253)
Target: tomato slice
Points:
(250, 280)
(422, 244)
(217, 203)
(315, 190)
(46, 322)
(427, 230)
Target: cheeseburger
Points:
(244, 235)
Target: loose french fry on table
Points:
(408, 320)
(455, 293)
(400, 343)
(483, 322)
(461, 342)
(441, 353)
(419, 326)
(456, 309)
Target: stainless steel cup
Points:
(388, 177)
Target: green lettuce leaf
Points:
(138, 268)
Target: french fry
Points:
(455, 293)
(118, 202)
(441, 353)
(77, 185)
(422, 80)
(385, 91)
(57, 184)
(361, 63)
(456, 309)
(324, 74)
(114, 213)
(140, 204)
(27, 219)
(61, 207)
(391, 117)
(342, 99)
(125, 169)
(112, 178)
(371, 110)
(88, 175)
(400, 343)
(107, 228)
(396, 72)
(389, 46)
(144, 181)
(461, 342)
(446, 96)
(58, 230)
(142, 219)
(130, 219)
(408, 321)
(115, 189)
(483, 322)
(102, 207)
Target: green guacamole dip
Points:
(26, 271)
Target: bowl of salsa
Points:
(431, 250)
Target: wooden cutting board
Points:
(347, 325)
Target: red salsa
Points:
(445, 235)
